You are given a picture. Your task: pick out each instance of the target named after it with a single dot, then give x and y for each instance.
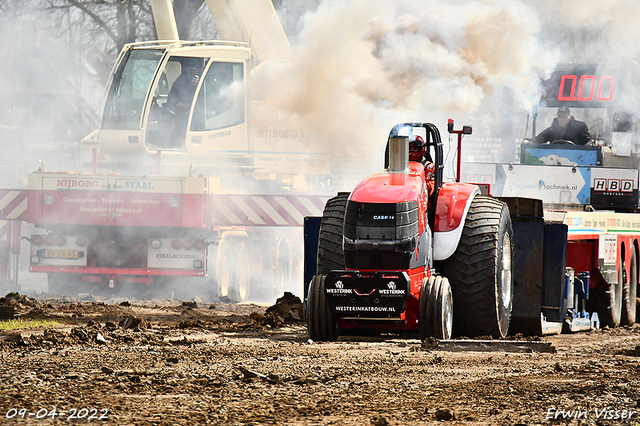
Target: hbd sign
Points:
(612, 185)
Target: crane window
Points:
(131, 82)
(220, 102)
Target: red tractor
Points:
(395, 256)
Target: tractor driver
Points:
(418, 152)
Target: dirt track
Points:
(174, 363)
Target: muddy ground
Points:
(169, 362)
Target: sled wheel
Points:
(436, 309)
(223, 268)
(630, 291)
(330, 253)
(242, 288)
(480, 271)
(608, 301)
(321, 324)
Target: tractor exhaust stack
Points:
(399, 154)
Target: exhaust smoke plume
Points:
(359, 67)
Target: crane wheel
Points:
(282, 271)
(59, 284)
(330, 253)
(436, 309)
(321, 324)
(630, 291)
(480, 271)
(67, 284)
(224, 271)
(233, 273)
(242, 289)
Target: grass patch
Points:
(18, 324)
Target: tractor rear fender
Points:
(453, 204)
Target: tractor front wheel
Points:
(436, 309)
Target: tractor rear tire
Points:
(436, 309)
(630, 291)
(330, 253)
(480, 271)
(321, 324)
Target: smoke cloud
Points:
(361, 66)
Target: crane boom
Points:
(165, 20)
(254, 22)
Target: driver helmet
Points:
(416, 148)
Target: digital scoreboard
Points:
(580, 87)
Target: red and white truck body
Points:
(81, 211)
(108, 230)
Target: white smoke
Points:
(359, 67)
(604, 34)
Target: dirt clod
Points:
(380, 421)
(190, 304)
(133, 323)
(288, 307)
(443, 414)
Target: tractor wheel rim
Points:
(505, 276)
(448, 315)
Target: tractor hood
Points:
(386, 187)
(382, 220)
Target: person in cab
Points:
(565, 128)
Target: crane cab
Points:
(174, 97)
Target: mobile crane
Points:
(196, 189)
